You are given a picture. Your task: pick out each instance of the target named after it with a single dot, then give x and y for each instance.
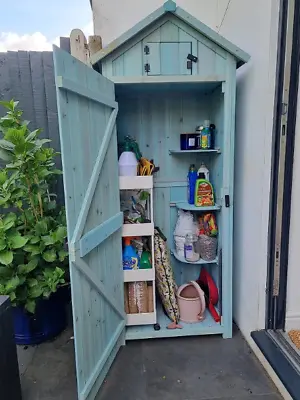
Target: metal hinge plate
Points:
(147, 67)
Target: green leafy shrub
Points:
(33, 256)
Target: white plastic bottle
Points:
(127, 163)
(203, 172)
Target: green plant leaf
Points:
(3, 177)
(4, 200)
(61, 233)
(35, 239)
(5, 272)
(35, 291)
(6, 145)
(16, 136)
(8, 104)
(33, 135)
(26, 268)
(34, 249)
(41, 228)
(48, 240)
(6, 257)
(49, 255)
(2, 244)
(5, 155)
(30, 306)
(12, 296)
(18, 241)
(62, 254)
(32, 282)
(12, 284)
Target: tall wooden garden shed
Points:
(162, 78)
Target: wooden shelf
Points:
(209, 151)
(200, 262)
(135, 182)
(206, 327)
(133, 230)
(139, 275)
(184, 205)
(141, 319)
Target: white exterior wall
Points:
(252, 25)
(293, 292)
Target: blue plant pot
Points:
(49, 320)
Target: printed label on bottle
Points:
(130, 263)
(204, 141)
(191, 142)
(188, 251)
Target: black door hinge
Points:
(189, 64)
(146, 50)
(192, 58)
(147, 67)
(227, 200)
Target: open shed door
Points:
(87, 120)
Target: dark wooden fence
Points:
(29, 78)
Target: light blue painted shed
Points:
(162, 78)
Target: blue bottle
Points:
(130, 257)
(191, 183)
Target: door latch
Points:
(192, 58)
(227, 200)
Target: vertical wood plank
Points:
(228, 179)
(118, 66)
(5, 87)
(38, 92)
(185, 37)
(169, 32)
(133, 61)
(26, 86)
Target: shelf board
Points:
(209, 151)
(135, 182)
(184, 205)
(200, 262)
(133, 230)
(139, 275)
(141, 319)
(206, 327)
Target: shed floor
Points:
(194, 368)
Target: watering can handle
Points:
(202, 300)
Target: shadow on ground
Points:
(195, 368)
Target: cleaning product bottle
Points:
(204, 193)
(128, 162)
(203, 172)
(130, 257)
(206, 136)
(145, 262)
(191, 178)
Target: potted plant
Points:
(33, 253)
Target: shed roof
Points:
(171, 7)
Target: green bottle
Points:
(145, 261)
